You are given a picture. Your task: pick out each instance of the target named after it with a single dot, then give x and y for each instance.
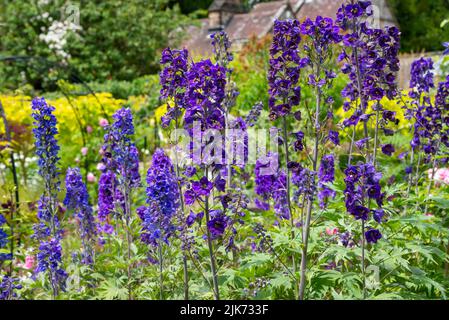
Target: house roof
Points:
(259, 21)
(329, 8)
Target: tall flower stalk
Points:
(48, 230)
(174, 85)
(319, 35)
(121, 157)
(77, 199)
(371, 61)
(204, 111)
(162, 206)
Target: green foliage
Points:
(118, 40)
(420, 23)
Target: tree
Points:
(420, 23)
(117, 39)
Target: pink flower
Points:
(441, 175)
(101, 166)
(91, 177)
(89, 129)
(331, 232)
(84, 151)
(104, 122)
(29, 262)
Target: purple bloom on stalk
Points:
(3, 240)
(77, 199)
(373, 235)
(174, 82)
(446, 51)
(388, 149)
(285, 66)
(362, 184)
(217, 225)
(107, 189)
(326, 175)
(422, 75)
(205, 94)
(48, 229)
(202, 187)
(162, 199)
(334, 136)
(8, 287)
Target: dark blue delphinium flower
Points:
(107, 186)
(48, 229)
(362, 185)
(421, 76)
(373, 235)
(388, 149)
(77, 199)
(174, 83)
(446, 51)
(326, 175)
(205, 94)
(49, 260)
(334, 136)
(254, 114)
(370, 59)
(217, 224)
(8, 288)
(285, 68)
(3, 240)
(162, 199)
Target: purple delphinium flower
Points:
(205, 94)
(326, 175)
(285, 67)
(388, 149)
(421, 75)
(446, 51)
(222, 48)
(373, 235)
(48, 230)
(362, 185)
(370, 59)
(174, 83)
(334, 136)
(254, 114)
(271, 183)
(77, 199)
(3, 240)
(8, 288)
(217, 224)
(162, 200)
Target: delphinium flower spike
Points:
(162, 206)
(9, 287)
(3, 240)
(174, 84)
(121, 157)
(48, 230)
(319, 37)
(77, 199)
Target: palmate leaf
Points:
(113, 289)
(281, 281)
(256, 260)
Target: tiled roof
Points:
(259, 21)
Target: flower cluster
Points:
(8, 287)
(162, 199)
(77, 199)
(370, 59)
(221, 48)
(205, 95)
(48, 229)
(49, 259)
(174, 82)
(421, 76)
(285, 68)
(362, 186)
(119, 152)
(3, 240)
(304, 181)
(271, 183)
(326, 175)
